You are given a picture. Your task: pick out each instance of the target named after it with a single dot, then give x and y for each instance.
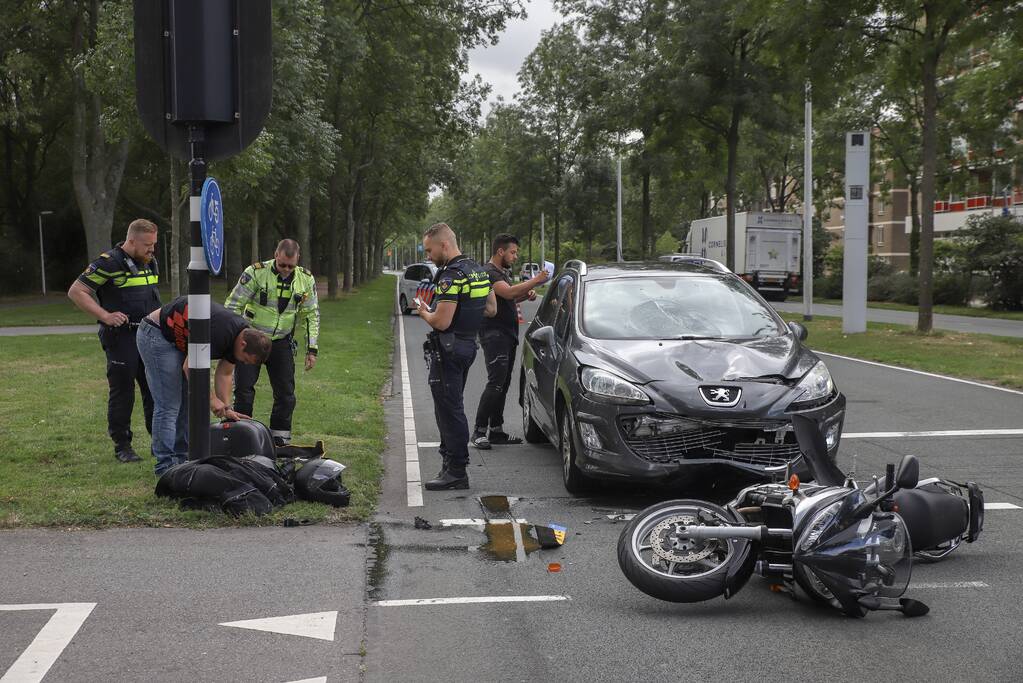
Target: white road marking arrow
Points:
(319, 625)
(51, 640)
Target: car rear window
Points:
(676, 307)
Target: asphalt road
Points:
(608, 630)
(160, 596)
(956, 323)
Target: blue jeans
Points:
(169, 388)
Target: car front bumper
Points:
(604, 451)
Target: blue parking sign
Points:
(211, 219)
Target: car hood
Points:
(771, 359)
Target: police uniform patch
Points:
(443, 286)
(91, 269)
(245, 278)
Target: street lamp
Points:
(42, 259)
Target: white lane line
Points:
(921, 372)
(950, 584)
(1001, 506)
(478, 522)
(51, 640)
(321, 679)
(944, 432)
(413, 477)
(429, 444)
(472, 601)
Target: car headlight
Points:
(612, 387)
(815, 388)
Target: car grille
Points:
(748, 442)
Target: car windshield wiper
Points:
(693, 337)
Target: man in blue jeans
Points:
(463, 297)
(162, 340)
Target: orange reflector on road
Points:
(554, 567)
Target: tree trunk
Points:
(733, 154)
(557, 236)
(530, 247)
(929, 167)
(302, 220)
(174, 267)
(348, 262)
(914, 230)
(254, 245)
(97, 166)
(648, 239)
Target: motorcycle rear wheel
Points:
(667, 565)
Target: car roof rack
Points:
(578, 264)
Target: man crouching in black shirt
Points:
(499, 337)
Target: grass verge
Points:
(58, 467)
(939, 308)
(981, 357)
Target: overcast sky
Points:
(499, 64)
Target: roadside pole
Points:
(808, 206)
(619, 233)
(542, 260)
(198, 306)
(42, 258)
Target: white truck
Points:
(768, 250)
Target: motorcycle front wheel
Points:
(659, 559)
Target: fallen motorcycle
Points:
(842, 545)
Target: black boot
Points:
(125, 453)
(448, 480)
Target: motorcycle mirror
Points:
(909, 473)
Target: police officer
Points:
(125, 281)
(499, 337)
(463, 298)
(277, 297)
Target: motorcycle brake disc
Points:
(670, 545)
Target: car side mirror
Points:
(543, 336)
(909, 473)
(799, 330)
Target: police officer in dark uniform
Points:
(125, 280)
(463, 297)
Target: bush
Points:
(993, 245)
(897, 287)
(829, 286)
(951, 289)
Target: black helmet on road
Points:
(319, 480)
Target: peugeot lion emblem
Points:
(721, 397)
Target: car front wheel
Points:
(575, 480)
(403, 303)
(530, 429)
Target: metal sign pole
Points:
(619, 231)
(808, 208)
(198, 309)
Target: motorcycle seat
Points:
(932, 516)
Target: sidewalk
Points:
(952, 323)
